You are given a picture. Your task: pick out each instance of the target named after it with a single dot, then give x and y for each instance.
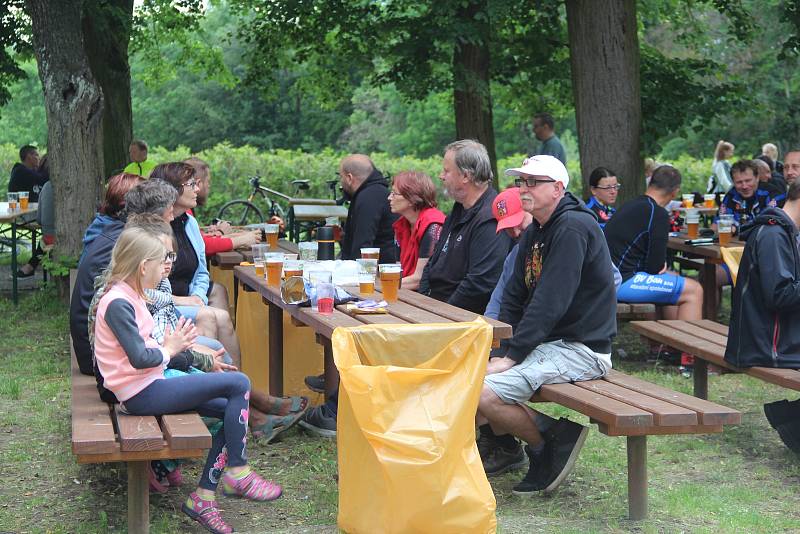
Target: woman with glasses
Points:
(417, 230)
(605, 188)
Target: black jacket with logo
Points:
(562, 286)
(468, 259)
(369, 221)
(766, 299)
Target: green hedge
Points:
(232, 166)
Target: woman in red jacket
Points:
(413, 196)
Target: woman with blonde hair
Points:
(720, 180)
(132, 365)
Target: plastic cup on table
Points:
(12, 201)
(316, 278)
(709, 200)
(272, 235)
(308, 250)
(724, 229)
(370, 253)
(366, 283)
(688, 200)
(390, 274)
(292, 268)
(274, 265)
(692, 223)
(23, 199)
(325, 297)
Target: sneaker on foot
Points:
(562, 447)
(532, 481)
(315, 383)
(320, 422)
(501, 460)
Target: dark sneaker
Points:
(564, 442)
(315, 383)
(790, 434)
(532, 481)
(320, 422)
(781, 412)
(501, 460)
(486, 444)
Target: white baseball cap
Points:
(542, 166)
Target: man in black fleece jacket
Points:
(561, 303)
(369, 219)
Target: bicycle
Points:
(241, 212)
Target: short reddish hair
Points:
(118, 185)
(417, 188)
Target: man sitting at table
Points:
(468, 258)
(219, 237)
(637, 239)
(369, 218)
(749, 196)
(766, 305)
(561, 304)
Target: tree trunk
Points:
(472, 98)
(74, 107)
(106, 33)
(604, 53)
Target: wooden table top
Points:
(8, 216)
(706, 251)
(411, 308)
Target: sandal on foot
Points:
(298, 405)
(175, 478)
(275, 425)
(152, 480)
(251, 487)
(205, 513)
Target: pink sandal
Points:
(205, 513)
(251, 487)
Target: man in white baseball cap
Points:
(562, 307)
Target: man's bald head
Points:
(764, 172)
(353, 170)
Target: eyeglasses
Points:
(616, 187)
(531, 182)
(191, 183)
(170, 257)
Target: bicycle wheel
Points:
(240, 213)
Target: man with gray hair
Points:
(468, 258)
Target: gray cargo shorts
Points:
(553, 362)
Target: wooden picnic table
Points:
(412, 308)
(711, 257)
(12, 217)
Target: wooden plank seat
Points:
(706, 340)
(623, 405)
(101, 434)
(628, 312)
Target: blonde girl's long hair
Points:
(723, 147)
(134, 246)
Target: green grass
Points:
(743, 480)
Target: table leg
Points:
(331, 372)
(275, 350)
(14, 295)
(708, 279)
(700, 374)
(637, 477)
(138, 498)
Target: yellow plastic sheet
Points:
(732, 256)
(408, 461)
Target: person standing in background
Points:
(139, 164)
(544, 129)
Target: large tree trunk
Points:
(74, 107)
(604, 53)
(472, 98)
(106, 32)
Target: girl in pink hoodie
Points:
(132, 365)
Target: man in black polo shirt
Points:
(468, 258)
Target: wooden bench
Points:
(706, 340)
(623, 405)
(628, 312)
(101, 434)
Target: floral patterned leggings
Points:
(225, 396)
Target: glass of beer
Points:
(371, 253)
(274, 265)
(688, 200)
(292, 268)
(23, 199)
(259, 264)
(725, 229)
(12, 201)
(308, 250)
(390, 273)
(366, 283)
(272, 235)
(710, 200)
(692, 223)
(337, 229)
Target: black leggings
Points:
(225, 396)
